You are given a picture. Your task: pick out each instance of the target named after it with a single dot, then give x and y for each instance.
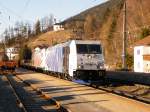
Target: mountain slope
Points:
(105, 23)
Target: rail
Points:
(18, 101)
(121, 93)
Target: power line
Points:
(25, 7)
(14, 13)
(10, 11)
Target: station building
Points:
(12, 53)
(142, 55)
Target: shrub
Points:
(144, 32)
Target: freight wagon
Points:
(7, 66)
(78, 59)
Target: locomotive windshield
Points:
(88, 49)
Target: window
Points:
(88, 49)
(82, 48)
(138, 52)
(94, 49)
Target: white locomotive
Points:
(79, 59)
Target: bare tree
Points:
(6, 36)
(47, 22)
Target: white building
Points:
(12, 53)
(58, 27)
(142, 55)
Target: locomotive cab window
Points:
(94, 49)
(82, 49)
(88, 49)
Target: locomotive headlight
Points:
(100, 66)
(89, 57)
(80, 66)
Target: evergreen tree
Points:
(25, 53)
(144, 32)
(37, 27)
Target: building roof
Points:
(143, 42)
(58, 24)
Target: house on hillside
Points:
(142, 55)
(58, 27)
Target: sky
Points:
(31, 10)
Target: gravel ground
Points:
(140, 90)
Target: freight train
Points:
(77, 59)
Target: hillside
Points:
(104, 23)
(51, 38)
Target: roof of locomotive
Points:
(87, 41)
(76, 42)
(79, 42)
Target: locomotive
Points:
(74, 59)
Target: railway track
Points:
(108, 85)
(112, 89)
(7, 98)
(24, 100)
(31, 99)
(111, 85)
(60, 108)
(18, 100)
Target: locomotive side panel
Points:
(66, 52)
(72, 58)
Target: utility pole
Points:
(9, 38)
(124, 37)
(27, 31)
